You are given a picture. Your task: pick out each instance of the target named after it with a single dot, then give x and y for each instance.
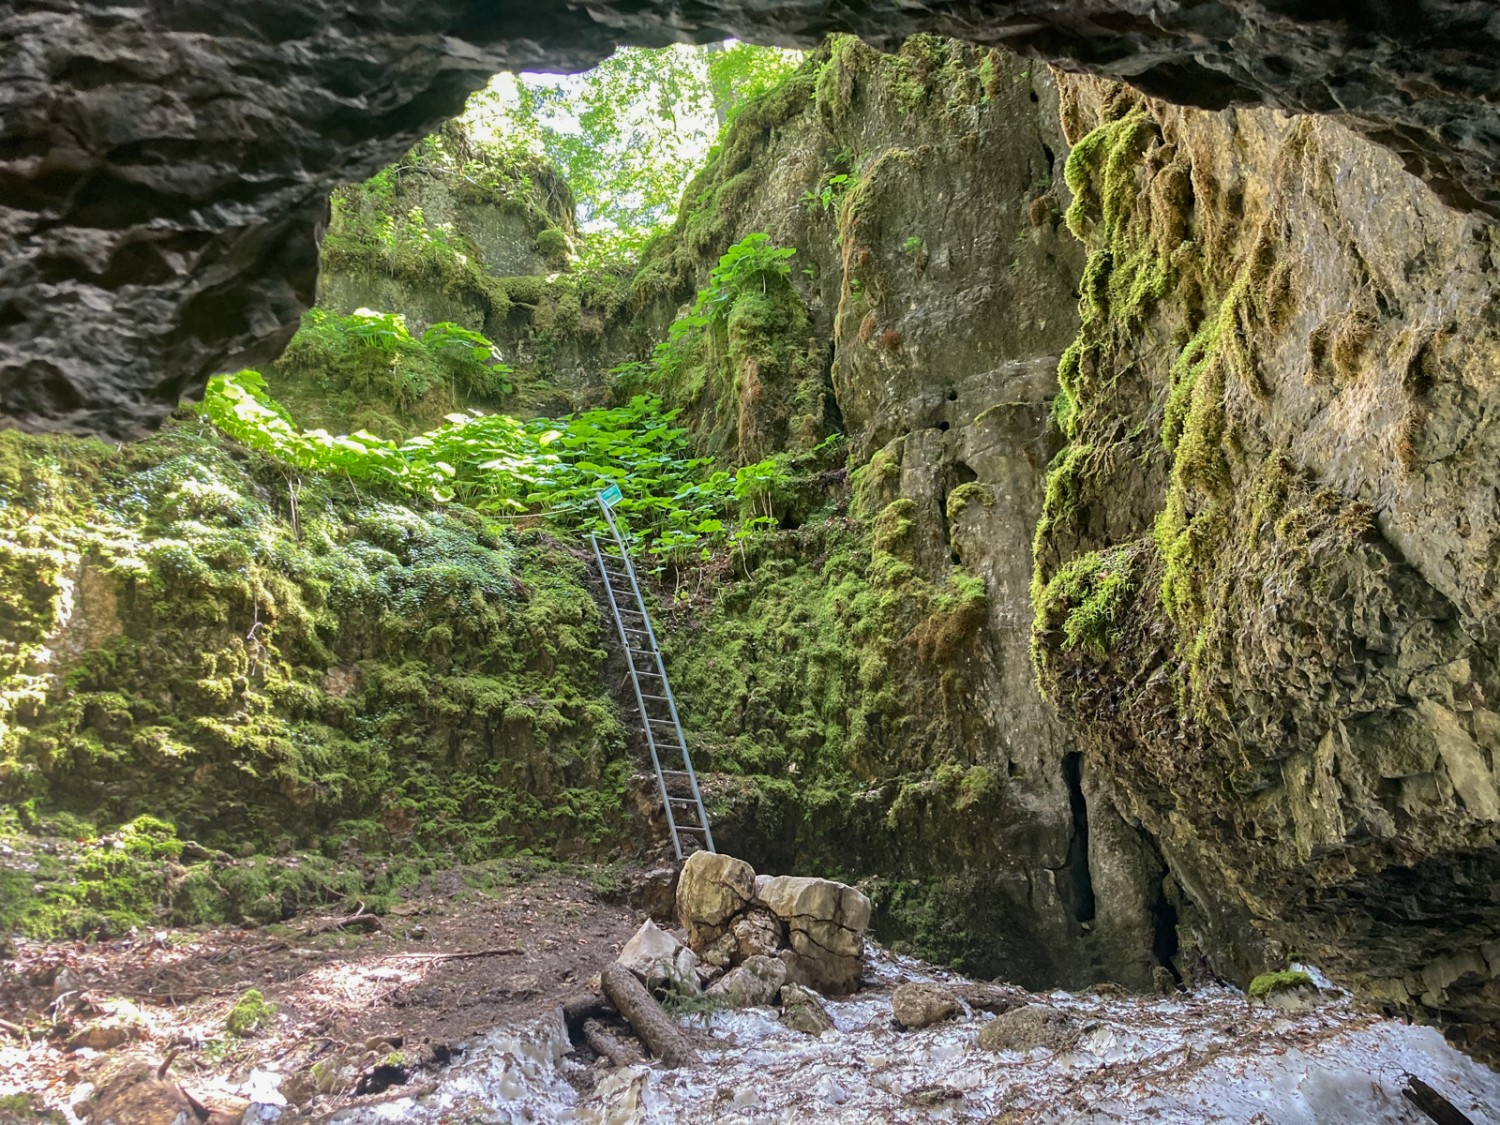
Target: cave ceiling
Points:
(165, 167)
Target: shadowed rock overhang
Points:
(165, 166)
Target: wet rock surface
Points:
(802, 1010)
(165, 169)
(922, 1005)
(1028, 1028)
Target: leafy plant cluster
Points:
(750, 266)
(673, 501)
(368, 366)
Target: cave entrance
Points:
(628, 135)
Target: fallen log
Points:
(1432, 1103)
(660, 1033)
(606, 1044)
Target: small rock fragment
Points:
(754, 984)
(922, 1005)
(1024, 1029)
(121, 1022)
(661, 962)
(801, 1010)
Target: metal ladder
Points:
(687, 820)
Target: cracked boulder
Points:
(712, 891)
(825, 924)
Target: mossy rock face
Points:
(184, 656)
(1295, 674)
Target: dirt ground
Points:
(361, 1004)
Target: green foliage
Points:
(750, 264)
(833, 187)
(629, 133)
(748, 322)
(494, 463)
(367, 366)
(250, 1014)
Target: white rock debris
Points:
(1201, 1057)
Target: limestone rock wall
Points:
(862, 686)
(1267, 562)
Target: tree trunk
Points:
(660, 1033)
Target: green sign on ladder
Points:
(611, 495)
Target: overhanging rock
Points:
(164, 167)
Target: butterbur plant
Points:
(676, 505)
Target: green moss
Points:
(371, 671)
(1268, 984)
(554, 245)
(1086, 599)
(27, 1109)
(250, 1014)
(960, 499)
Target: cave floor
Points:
(447, 963)
(446, 1011)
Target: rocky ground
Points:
(360, 1004)
(468, 1001)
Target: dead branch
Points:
(607, 1044)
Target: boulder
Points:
(131, 1092)
(1024, 1029)
(922, 1005)
(825, 924)
(661, 962)
(801, 1010)
(752, 985)
(654, 893)
(711, 890)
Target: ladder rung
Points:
(655, 698)
(683, 801)
(675, 773)
(643, 672)
(662, 722)
(692, 828)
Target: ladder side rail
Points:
(661, 781)
(662, 669)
